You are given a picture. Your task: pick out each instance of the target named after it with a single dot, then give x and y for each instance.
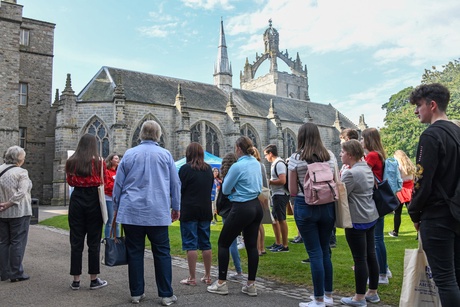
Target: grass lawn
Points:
(287, 268)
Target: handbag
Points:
(342, 209)
(384, 198)
(115, 249)
(265, 202)
(101, 194)
(418, 287)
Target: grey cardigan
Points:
(15, 186)
(359, 181)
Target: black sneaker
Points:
(297, 240)
(75, 285)
(276, 247)
(305, 261)
(97, 283)
(281, 249)
(272, 246)
(393, 234)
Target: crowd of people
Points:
(197, 193)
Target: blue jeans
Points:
(315, 224)
(380, 248)
(135, 246)
(108, 226)
(441, 243)
(235, 253)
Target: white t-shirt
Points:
(280, 169)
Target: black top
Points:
(195, 194)
(438, 163)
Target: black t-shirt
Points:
(196, 189)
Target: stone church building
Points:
(115, 102)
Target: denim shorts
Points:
(195, 235)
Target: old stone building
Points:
(115, 103)
(26, 67)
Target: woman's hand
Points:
(6, 205)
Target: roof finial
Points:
(270, 22)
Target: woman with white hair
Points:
(15, 213)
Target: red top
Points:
(375, 163)
(89, 181)
(110, 180)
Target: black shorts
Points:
(279, 207)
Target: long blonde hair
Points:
(405, 164)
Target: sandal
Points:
(187, 281)
(207, 281)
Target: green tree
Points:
(402, 128)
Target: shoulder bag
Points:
(115, 248)
(101, 194)
(384, 198)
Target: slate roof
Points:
(161, 90)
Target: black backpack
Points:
(454, 201)
(286, 184)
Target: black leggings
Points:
(397, 217)
(362, 246)
(244, 217)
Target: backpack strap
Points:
(6, 169)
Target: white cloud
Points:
(208, 4)
(158, 30)
(415, 30)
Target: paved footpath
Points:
(47, 262)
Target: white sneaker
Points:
(236, 276)
(218, 289)
(137, 299)
(328, 301)
(166, 301)
(389, 274)
(249, 290)
(313, 303)
(383, 280)
(240, 242)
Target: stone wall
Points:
(33, 65)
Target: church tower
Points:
(222, 68)
(292, 85)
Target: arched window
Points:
(207, 136)
(136, 140)
(98, 129)
(248, 131)
(288, 143)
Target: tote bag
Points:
(265, 201)
(342, 210)
(101, 194)
(418, 287)
(384, 198)
(114, 249)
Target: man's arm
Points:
(427, 163)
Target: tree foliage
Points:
(402, 128)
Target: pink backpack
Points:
(318, 185)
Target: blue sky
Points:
(358, 52)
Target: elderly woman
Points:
(15, 213)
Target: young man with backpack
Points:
(280, 198)
(436, 198)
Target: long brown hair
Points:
(372, 142)
(227, 161)
(81, 162)
(194, 155)
(310, 145)
(245, 144)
